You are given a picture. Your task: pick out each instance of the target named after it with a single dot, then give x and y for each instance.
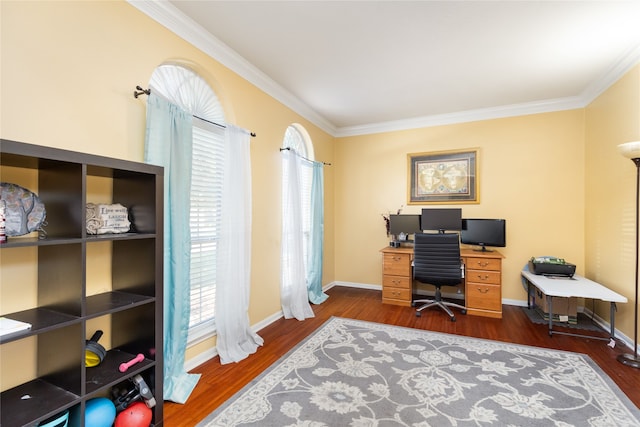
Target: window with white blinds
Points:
(185, 88)
(296, 138)
(206, 197)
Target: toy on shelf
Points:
(94, 353)
(136, 415)
(99, 412)
(126, 365)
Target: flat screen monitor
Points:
(407, 224)
(441, 219)
(484, 232)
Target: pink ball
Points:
(135, 415)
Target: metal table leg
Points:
(550, 305)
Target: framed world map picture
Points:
(443, 177)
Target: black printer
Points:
(551, 266)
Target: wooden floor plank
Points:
(220, 382)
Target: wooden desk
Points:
(482, 283)
(577, 286)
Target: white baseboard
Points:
(627, 341)
(357, 285)
(201, 358)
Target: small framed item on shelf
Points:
(104, 219)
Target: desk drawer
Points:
(483, 296)
(396, 294)
(401, 282)
(477, 263)
(480, 276)
(397, 264)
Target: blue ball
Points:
(99, 412)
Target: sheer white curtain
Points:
(294, 296)
(235, 338)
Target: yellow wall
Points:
(68, 71)
(612, 119)
(531, 172)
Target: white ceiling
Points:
(357, 67)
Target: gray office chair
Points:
(437, 262)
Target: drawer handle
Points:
(395, 282)
(486, 277)
(483, 264)
(396, 258)
(483, 291)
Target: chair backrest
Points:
(436, 259)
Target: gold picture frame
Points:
(443, 177)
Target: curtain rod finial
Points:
(140, 91)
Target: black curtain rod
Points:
(289, 148)
(140, 91)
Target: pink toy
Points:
(124, 366)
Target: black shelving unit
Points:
(64, 301)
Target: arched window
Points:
(185, 88)
(297, 138)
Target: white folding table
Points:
(576, 286)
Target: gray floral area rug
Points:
(356, 373)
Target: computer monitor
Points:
(484, 232)
(407, 224)
(441, 219)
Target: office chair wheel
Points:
(453, 319)
(463, 311)
(418, 314)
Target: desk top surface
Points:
(464, 252)
(577, 286)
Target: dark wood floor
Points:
(219, 382)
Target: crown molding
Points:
(173, 19)
(464, 116)
(627, 61)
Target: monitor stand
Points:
(483, 249)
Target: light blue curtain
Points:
(316, 243)
(236, 340)
(168, 143)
